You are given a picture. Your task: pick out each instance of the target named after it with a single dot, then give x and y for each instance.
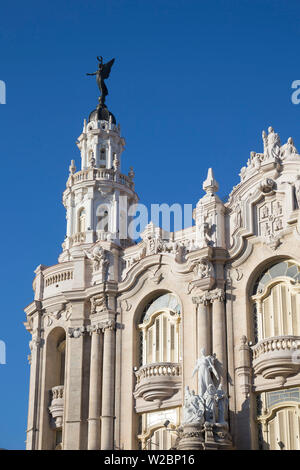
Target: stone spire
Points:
(210, 185)
(209, 215)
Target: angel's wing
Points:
(106, 68)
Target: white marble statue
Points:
(205, 368)
(210, 399)
(271, 144)
(297, 189)
(288, 151)
(193, 410)
(98, 257)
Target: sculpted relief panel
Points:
(270, 218)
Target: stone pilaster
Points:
(219, 332)
(34, 358)
(95, 388)
(74, 379)
(107, 417)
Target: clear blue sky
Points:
(193, 85)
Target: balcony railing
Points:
(79, 237)
(57, 405)
(278, 356)
(158, 381)
(100, 174)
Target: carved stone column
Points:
(107, 417)
(203, 324)
(219, 332)
(95, 389)
(243, 369)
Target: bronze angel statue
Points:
(101, 75)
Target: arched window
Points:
(160, 343)
(276, 301)
(160, 330)
(276, 317)
(279, 419)
(81, 221)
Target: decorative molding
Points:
(98, 303)
(76, 332)
(102, 326)
(210, 296)
(65, 313)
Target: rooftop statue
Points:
(102, 74)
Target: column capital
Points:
(217, 294)
(100, 327)
(201, 299)
(76, 332)
(209, 297)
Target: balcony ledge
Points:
(278, 356)
(158, 381)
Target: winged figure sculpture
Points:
(101, 75)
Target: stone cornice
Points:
(35, 306)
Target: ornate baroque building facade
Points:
(117, 326)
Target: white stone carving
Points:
(76, 332)
(98, 303)
(271, 222)
(297, 190)
(205, 368)
(271, 144)
(194, 407)
(288, 151)
(203, 269)
(237, 215)
(98, 256)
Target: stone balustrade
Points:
(158, 369)
(277, 356)
(58, 277)
(78, 237)
(57, 405)
(100, 174)
(276, 343)
(158, 381)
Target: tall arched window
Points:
(81, 221)
(276, 314)
(276, 301)
(159, 364)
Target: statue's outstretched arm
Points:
(92, 73)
